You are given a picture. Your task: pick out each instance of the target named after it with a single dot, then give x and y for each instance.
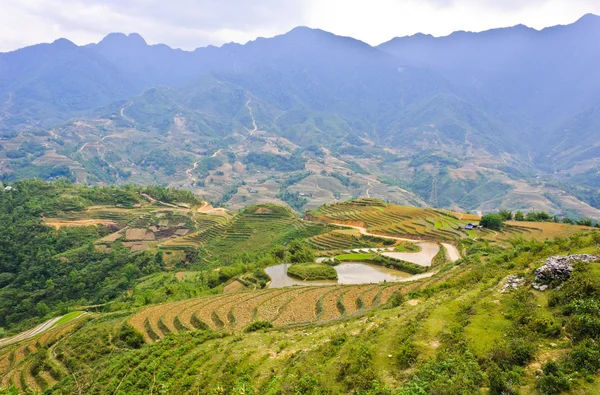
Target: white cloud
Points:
(191, 23)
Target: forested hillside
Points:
(472, 121)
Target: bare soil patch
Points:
(234, 287)
(135, 234)
(57, 223)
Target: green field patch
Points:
(312, 271)
(68, 317)
(355, 257)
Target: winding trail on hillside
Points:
(189, 171)
(254, 125)
(30, 333)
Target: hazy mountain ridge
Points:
(488, 99)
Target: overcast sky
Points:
(189, 24)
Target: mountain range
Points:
(507, 118)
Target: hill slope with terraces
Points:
(152, 289)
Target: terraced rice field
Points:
(282, 307)
(381, 218)
(16, 363)
(340, 239)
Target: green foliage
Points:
(45, 269)
(554, 380)
(492, 221)
(346, 181)
(258, 325)
(312, 271)
(132, 338)
(276, 162)
(294, 199)
(170, 195)
(506, 215)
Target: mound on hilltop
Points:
(268, 208)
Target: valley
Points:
(196, 287)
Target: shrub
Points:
(132, 338)
(554, 380)
(258, 325)
(492, 221)
(586, 356)
(407, 355)
(501, 382)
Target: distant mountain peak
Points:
(133, 39)
(64, 43)
(589, 17)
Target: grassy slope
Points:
(458, 316)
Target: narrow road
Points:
(30, 333)
(253, 120)
(369, 188)
(189, 171)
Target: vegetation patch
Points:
(355, 257)
(312, 272)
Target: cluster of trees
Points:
(541, 216)
(495, 221)
(276, 162)
(45, 270)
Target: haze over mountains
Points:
(505, 118)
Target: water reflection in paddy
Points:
(348, 273)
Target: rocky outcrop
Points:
(558, 269)
(512, 283)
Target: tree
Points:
(492, 221)
(519, 216)
(507, 215)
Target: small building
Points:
(8, 189)
(471, 226)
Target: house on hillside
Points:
(471, 226)
(8, 189)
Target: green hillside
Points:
(149, 289)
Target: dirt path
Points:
(30, 333)
(254, 125)
(189, 171)
(152, 200)
(369, 188)
(452, 252)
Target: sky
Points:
(189, 24)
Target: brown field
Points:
(135, 234)
(329, 305)
(269, 310)
(349, 298)
(302, 308)
(58, 223)
(234, 286)
(368, 297)
(244, 311)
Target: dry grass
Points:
(269, 310)
(244, 311)
(368, 296)
(302, 308)
(234, 286)
(329, 304)
(350, 296)
(135, 234)
(58, 223)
